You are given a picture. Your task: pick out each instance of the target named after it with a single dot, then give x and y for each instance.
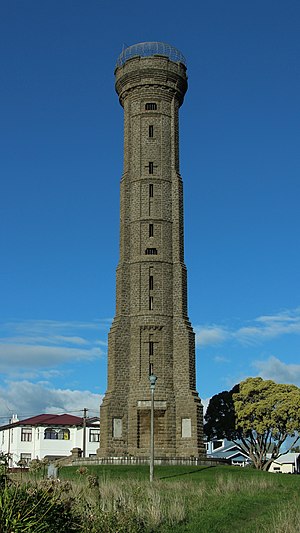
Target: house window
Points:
(150, 303)
(150, 106)
(151, 130)
(94, 435)
(57, 434)
(151, 190)
(26, 434)
(150, 230)
(25, 459)
(50, 433)
(150, 283)
(151, 251)
(217, 444)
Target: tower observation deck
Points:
(151, 332)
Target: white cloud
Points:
(221, 359)
(55, 339)
(28, 399)
(205, 403)
(269, 327)
(28, 356)
(17, 373)
(35, 350)
(255, 331)
(278, 371)
(53, 327)
(38, 344)
(210, 335)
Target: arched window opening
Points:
(57, 434)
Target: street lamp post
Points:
(152, 379)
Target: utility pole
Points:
(84, 432)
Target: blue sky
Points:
(61, 151)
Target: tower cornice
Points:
(147, 73)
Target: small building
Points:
(289, 463)
(225, 449)
(48, 436)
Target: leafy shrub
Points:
(4, 457)
(30, 509)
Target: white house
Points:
(289, 463)
(225, 449)
(48, 436)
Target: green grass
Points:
(212, 499)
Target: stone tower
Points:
(151, 332)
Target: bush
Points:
(4, 457)
(30, 509)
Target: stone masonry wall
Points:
(151, 329)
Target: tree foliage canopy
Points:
(258, 416)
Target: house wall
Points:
(288, 468)
(39, 447)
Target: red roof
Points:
(50, 420)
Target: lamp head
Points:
(152, 379)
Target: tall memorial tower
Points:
(151, 332)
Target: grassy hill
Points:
(192, 499)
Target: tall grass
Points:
(286, 519)
(207, 501)
(137, 505)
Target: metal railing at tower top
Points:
(148, 49)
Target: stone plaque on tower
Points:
(151, 332)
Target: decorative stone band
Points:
(146, 404)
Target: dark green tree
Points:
(220, 417)
(258, 416)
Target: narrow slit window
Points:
(151, 131)
(151, 230)
(151, 348)
(150, 303)
(151, 190)
(150, 106)
(151, 167)
(150, 283)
